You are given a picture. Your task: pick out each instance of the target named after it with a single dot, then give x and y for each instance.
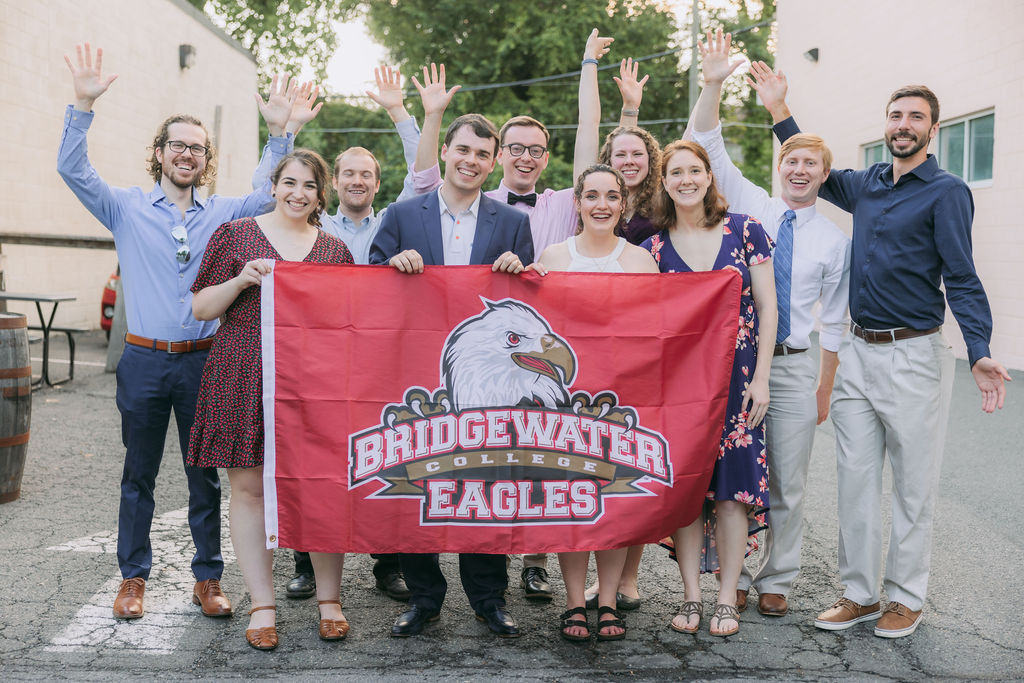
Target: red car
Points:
(108, 301)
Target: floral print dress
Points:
(741, 471)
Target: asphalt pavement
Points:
(58, 574)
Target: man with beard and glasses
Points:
(160, 236)
(911, 234)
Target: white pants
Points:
(893, 398)
(789, 437)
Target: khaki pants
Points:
(889, 398)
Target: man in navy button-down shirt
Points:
(911, 233)
(160, 237)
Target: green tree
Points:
(283, 35)
(486, 44)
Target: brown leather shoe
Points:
(772, 604)
(332, 629)
(897, 621)
(208, 595)
(262, 638)
(741, 600)
(128, 603)
(844, 614)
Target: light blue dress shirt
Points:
(158, 302)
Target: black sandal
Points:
(569, 622)
(605, 623)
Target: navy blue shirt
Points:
(908, 237)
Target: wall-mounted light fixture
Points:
(811, 55)
(186, 56)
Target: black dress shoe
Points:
(411, 621)
(393, 585)
(500, 622)
(535, 584)
(301, 586)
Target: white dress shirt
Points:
(821, 251)
(458, 231)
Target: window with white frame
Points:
(965, 147)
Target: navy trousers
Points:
(149, 384)
(484, 578)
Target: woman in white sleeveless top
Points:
(597, 247)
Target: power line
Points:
(557, 126)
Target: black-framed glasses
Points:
(516, 150)
(180, 235)
(177, 146)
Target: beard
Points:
(919, 144)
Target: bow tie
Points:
(530, 199)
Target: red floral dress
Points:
(741, 471)
(228, 429)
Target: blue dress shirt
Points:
(158, 302)
(908, 237)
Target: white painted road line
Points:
(65, 361)
(168, 597)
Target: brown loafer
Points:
(772, 604)
(208, 595)
(846, 613)
(741, 600)
(897, 621)
(262, 638)
(128, 603)
(332, 629)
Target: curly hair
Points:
(578, 193)
(321, 176)
(157, 171)
(641, 201)
(715, 206)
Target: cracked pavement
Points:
(59, 576)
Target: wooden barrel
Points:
(15, 402)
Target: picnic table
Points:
(46, 327)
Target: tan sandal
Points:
(333, 629)
(262, 638)
(724, 612)
(688, 609)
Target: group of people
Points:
(635, 207)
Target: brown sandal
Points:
(262, 638)
(724, 612)
(688, 609)
(333, 629)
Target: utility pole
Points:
(695, 36)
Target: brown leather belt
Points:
(889, 336)
(186, 346)
(783, 350)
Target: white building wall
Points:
(970, 54)
(140, 41)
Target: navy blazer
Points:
(416, 224)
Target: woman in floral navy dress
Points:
(698, 234)
(228, 430)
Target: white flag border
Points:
(269, 435)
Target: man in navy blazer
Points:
(456, 225)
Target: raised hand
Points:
(432, 91)
(597, 46)
(632, 90)
(990, 377)
(389, 93)
(715, 62)
(87, 77)
(278, 107)
(772, 88)
(304, 108)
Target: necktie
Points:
(783, 259)
(530, 199)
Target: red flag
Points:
(462, 410)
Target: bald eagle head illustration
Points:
(506, 356)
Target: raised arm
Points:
(587, 132)
(716, 67)
(771, 86)
(389, 95)
(632, 91)
(277, 108)
(304, 108)
(435, 100)
(87, 76)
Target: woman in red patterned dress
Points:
(228, 430)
